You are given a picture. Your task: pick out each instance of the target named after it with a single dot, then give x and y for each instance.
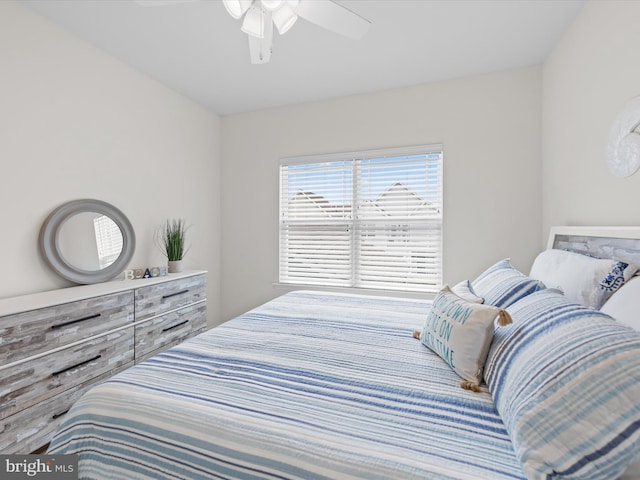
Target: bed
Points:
(316, 385)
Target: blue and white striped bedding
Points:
(566, 381)
(308, 386)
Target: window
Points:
(365, 220)
(108, 240)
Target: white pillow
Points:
(624, 305)
(585, 280)
(465, 290)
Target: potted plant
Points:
(172, 242)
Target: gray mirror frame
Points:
(50, 249)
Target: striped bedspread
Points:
(308, 386)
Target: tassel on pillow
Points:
(504, 318)
(467, 385)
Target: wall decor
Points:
(623, 148)
(147, 272)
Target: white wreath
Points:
(623, 149)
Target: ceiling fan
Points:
(259, 17)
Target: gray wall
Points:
(524, 150)
(490, 128)
(591, 74)
(77, 123)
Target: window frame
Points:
(356, 225)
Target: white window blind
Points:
(364, 220)
(108, 240)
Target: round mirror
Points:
(87, 241)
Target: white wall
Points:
(77, 123)
(490, 126)
(593, 71)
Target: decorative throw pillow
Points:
(566, 381)
(465, 290)
(501, 284)
(623, 305)
(460, 332)
(585, 280)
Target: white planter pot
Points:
(175, 266)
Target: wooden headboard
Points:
(621, 243)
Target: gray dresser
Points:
(55, 345)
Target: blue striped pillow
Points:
(502, 285)
(566, 381)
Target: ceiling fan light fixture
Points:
(254, 21)
(272, 4)
(237, 8)
(284, 18)
(259, 17)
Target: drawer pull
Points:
(60, 325)
(176, 325)
(54, 374)
(164, 297)
(58, 415)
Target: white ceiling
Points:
(197, 48)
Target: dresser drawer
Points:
(29, 333)
(33, 427)
(161, 332)
(163, 297)
(40, 378)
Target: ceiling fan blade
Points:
(260, 48)
(334, 17)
